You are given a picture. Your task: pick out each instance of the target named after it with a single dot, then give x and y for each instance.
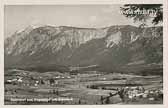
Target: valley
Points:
(86, 87)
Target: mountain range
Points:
(108, 48)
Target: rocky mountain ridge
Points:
(107, 47)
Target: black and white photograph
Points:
(83, 54)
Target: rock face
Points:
(108, 47)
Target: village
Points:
(82, 88)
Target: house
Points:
(20, 80)
(134, 91)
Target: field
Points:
(90, 87)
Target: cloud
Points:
(93, 18)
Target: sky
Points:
(18, 17)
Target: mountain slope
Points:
(109, 48)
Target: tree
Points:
(79, 102)
(42, 82)
(51, 81)
(107, 101)
(101, 99)
(143, 12)
(121, 94)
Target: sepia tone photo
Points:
(83, 54)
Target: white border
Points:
(54, 2)
(82, 2)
